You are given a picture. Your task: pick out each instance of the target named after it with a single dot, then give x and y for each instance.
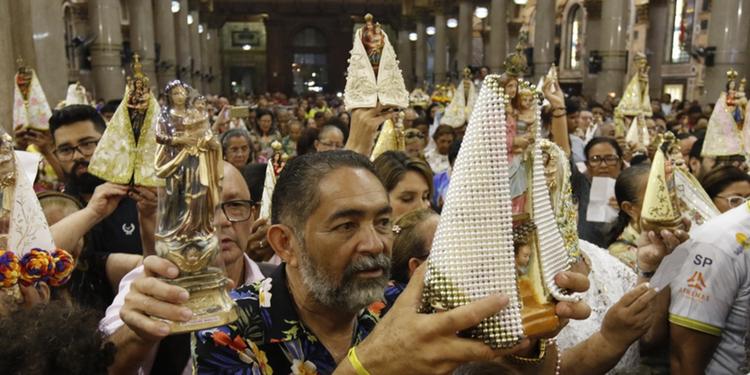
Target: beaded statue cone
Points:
(473, 253)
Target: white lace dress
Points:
(610, 279)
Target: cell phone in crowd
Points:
(239, 111)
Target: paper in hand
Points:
(599, 210)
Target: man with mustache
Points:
(110, 221)
(331, 225)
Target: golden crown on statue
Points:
(516, 64)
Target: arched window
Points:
(682, 14)
(309, 61)
(574, 56)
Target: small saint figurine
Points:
(126, 151)
(372, 39)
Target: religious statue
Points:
(30, 106)
(188, 158)
(28, 256)
(372, 39)
(736, 100)
(727, 134)
(635, 102)
(127, 149)
(520, 101)
(373, 75)
(661, 206)
(457, 113)
(7, 186)
(275, 165)
(478, 210)
(76, 95)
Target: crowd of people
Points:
(331, 280)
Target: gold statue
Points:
(635, 102)
(188, 159)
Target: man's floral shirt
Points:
(268, 337)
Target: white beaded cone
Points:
(472, 253)
(553, 256)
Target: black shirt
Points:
(598, 234)
(117, 233)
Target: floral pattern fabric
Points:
(268, 338)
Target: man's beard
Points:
(86, 182)
(351, 293)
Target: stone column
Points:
(165, 38)
(728, 30)
(420, 61)
(658, 12)
(544, 37)
(7, 68)
(205, 62)
(465, 38)
(142, 36)
(22, 32)
(106, 65)
(182, 43)
(613, 47)
(405, 58)
(47, 23)
(441, 47)
(498, 36)
(214, 51)
(195, 52)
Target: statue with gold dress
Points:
(126, 151)
(188, 159)
(635, 107)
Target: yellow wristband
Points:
(358, 368)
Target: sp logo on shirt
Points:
(702, 261)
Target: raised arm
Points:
(68, 231)
(559, 127)
(364, 125)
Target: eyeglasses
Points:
(414, 134)
(607, 159)
(333, 145)
(734, 200)
(66, 153)
(237, 210)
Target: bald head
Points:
(234, 185)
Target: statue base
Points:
(538, 319)
(209, 300)
(657, 226)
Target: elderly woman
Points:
(237, 146)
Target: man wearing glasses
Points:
(110, 221)
(234, 221)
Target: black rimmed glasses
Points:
(609, 160)
(86, 148)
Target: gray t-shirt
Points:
(712, 292)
